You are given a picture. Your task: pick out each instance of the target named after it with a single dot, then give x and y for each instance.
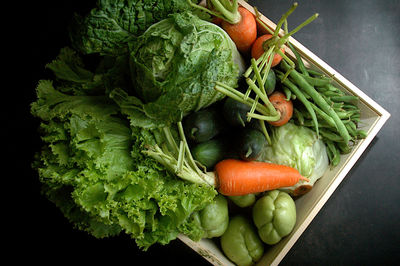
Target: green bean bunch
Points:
(321, 106)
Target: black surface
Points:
(359, 225)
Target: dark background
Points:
(359, 225)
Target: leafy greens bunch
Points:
(92, 166)
(96, 128)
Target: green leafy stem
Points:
(178, 158)
(224, 9)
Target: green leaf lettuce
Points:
(92, 167)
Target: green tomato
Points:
(214, 218)
(240, 242)
(243, 201)
(275, 216)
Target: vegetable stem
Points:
(265, 131)
(258, 75)
(283, 18)
(179, 166)
(180, 161)
(240, 97)
(305, 23)
(264, 117)
(262, 96)
(228, 12)
(170, 140)
(261, 23)
(224, 9)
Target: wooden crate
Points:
(373, 118)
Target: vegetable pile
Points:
(187, 120)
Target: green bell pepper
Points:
(240, 242)
(214, 218)
(274, 216)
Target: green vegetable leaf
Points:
(176, 63)
(94, 132)
(300, 148)
(92, 166)
(133, 107)
(69, 66)
(113, 24)
(52, 103)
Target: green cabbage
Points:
(176, 63)
(300, 148)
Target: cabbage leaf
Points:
(176, 62)
(298, 147)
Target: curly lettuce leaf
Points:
(133, 107)
(92, 167)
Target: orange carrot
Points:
(236, 177)
(237, 21)
(258, 49)
(283, 106)
(243, 33)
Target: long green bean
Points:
(344, 148)
(330, 155)
(323, 115)
(299, 116)
(331, 87)
(361, 134)
(337, 106)
(315, 73)
(346, 114)
(348, 106)
(355, 118)
(315, 81)
(319, 101)
(333, 93)
(321, 89)
(329, 135)
(351, 129)
(301, 98)
(321, 124)
(300, 62)
(344, 98)
(287, 92)
(352, 125)
(335, 153)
